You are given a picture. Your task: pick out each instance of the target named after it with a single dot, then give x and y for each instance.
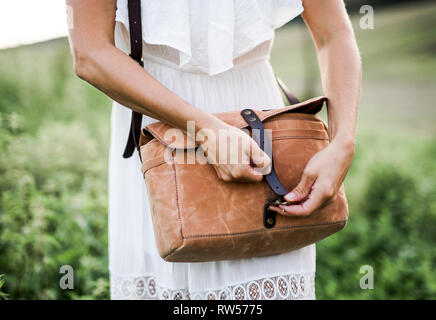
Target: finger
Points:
(302, 190)
(255, 174)
(218, 172)
(226, 177)
(277, 209)
(247, 173)
(260, 159)
(304, 208)
(222, 175)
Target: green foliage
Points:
(3, 296)
(391, 228)
(53, 194)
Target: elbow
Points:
(87, 62)
(81, 64)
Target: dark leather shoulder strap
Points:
(292, 99)
(135, 26)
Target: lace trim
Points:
(286, 287)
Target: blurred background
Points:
(54, 137)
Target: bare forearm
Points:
(118, 76)
(341, 78)
(340, 65)
(98, 61)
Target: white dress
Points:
(215, 55)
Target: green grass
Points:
(54, 137)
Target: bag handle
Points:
(135, 26)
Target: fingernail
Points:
(290, 196)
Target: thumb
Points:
(303, 188)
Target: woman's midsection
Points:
(250, 83)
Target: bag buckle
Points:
(269, 217)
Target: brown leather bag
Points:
(197, 217)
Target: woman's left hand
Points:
(341, 71)
(320, 182)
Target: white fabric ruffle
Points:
(210, 42)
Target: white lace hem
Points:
(285, 287)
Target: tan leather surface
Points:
(198, 217)
(159, 130)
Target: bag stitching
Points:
(277, 229)
(264, 117)
(177, 202)
(170, 253)
(274, 138)
(296, 137)
(154, 166)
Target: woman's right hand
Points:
(234, 155)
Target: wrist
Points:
(206, 125)
(210, 122)
(345, 144)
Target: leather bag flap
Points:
(159, 130)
